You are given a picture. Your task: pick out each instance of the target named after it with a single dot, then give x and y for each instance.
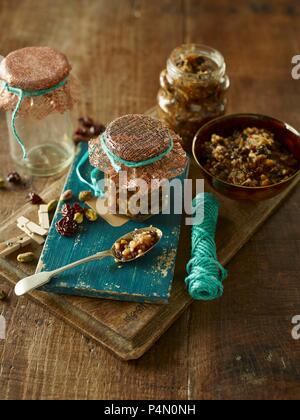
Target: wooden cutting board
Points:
(130, 329)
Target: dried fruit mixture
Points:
(252, 158)
(129, 248)
(73, 216)
(196, 64)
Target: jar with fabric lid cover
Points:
(38, 91)
(145, 152)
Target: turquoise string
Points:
(205, 273)
(94, 178)
(21, 94)
(114, 158)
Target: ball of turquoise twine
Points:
(205, 273)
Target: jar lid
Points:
(137, 138)
(34, 68)
(142, 146)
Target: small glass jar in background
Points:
(38, 93)
(193, 90)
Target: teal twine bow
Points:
(114, 159)
(94, 178)
(205, 273)
(21, 94)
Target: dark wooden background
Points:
(240, 346)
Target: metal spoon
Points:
(40, 279)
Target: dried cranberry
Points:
(34, 198)
(77, 208)
(96, 130)
(86, 121)
(14, 178)
(88, 129)
(68, 211)
(67, 227)
(83, 132)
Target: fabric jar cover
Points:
(139, 138)
(146, 150)
(34, 70)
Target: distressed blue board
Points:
(148, 279)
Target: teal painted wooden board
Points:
(148, 279)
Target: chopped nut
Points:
(67, 195)
(52, 206)
(147, 239)
(78, 218)
(132, 245)
(2, 183)
(269, 162)
(265, 183)
(126, 252)
(26, 258)
(91, 215)
(85, 195)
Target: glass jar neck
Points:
(175, 72)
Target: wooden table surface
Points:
(239, 347)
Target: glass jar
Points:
(193, 90)
(137, 154)
(38, 93)
(151, 201)
(49, 145)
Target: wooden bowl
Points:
(225, 126)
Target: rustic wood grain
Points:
(239, 347)
(130, 329)
(245, 339)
